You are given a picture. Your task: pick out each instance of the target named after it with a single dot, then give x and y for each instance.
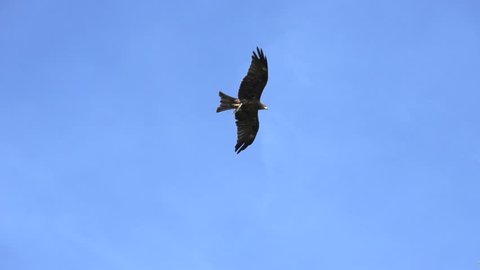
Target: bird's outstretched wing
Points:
(247, 128)
(253, 83)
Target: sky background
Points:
(112, 155)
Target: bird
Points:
(248, 103)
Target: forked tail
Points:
(227, 102)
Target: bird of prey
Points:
(248, 103)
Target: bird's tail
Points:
(227, 102)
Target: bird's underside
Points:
(248, 103)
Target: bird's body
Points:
(248, 102)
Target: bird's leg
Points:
(237, 107)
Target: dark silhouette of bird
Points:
(248, 103)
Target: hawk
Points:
(248, 103)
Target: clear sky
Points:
(112, 155)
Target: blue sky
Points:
(112, 155)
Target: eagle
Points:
(248, 103)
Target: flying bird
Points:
(248, 103)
